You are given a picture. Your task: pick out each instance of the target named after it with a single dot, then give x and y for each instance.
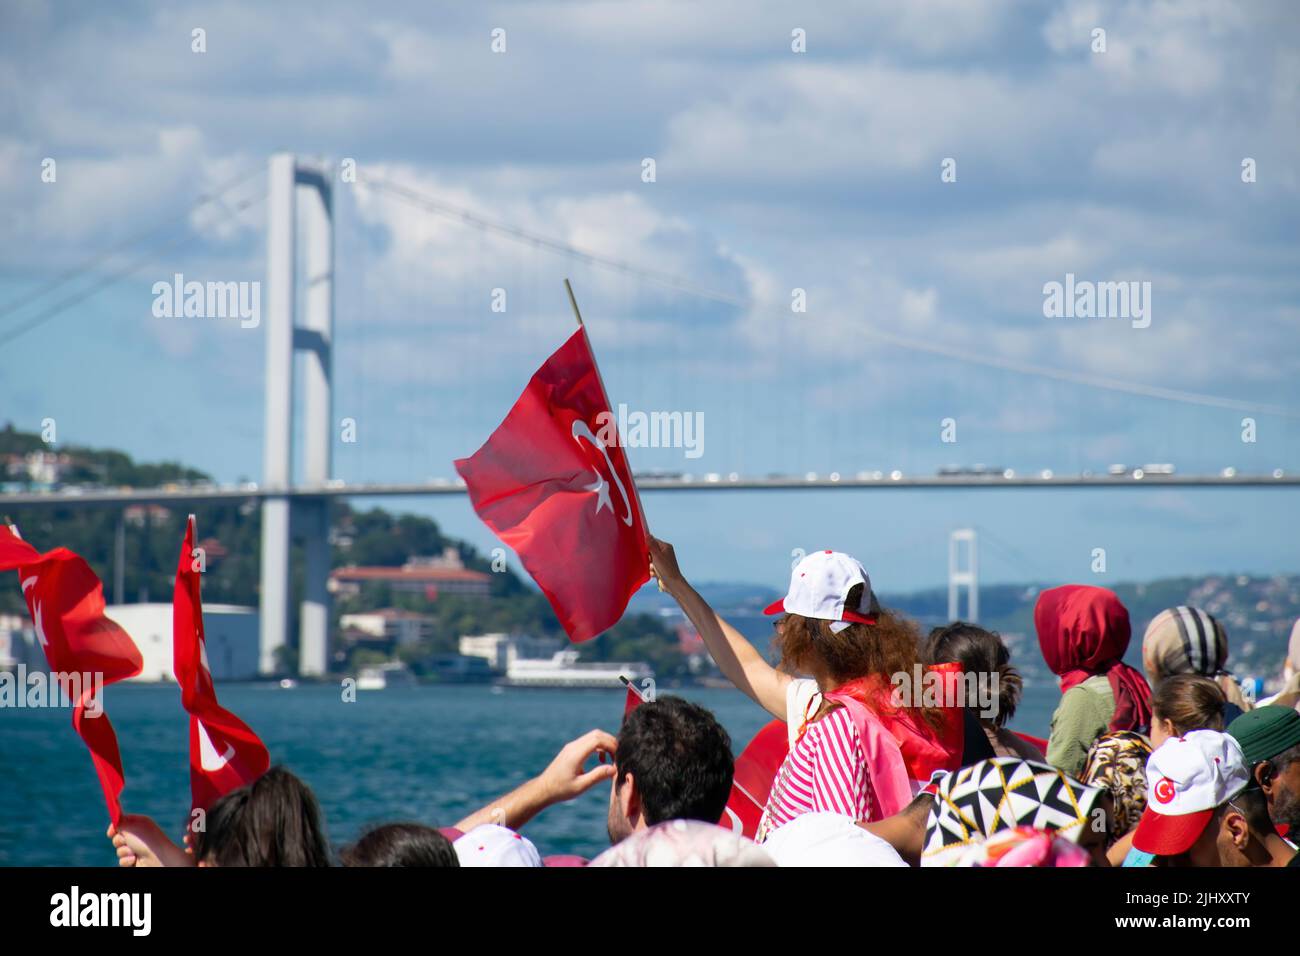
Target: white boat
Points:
(562, 669)
(390, 674)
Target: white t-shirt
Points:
(802, 698)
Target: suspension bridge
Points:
(299, 320)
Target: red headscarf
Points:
(1084, 631)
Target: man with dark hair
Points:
(671, 761)
(1270, 739)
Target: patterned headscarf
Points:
(975, 802)
(1185, 640)
(1117, 763)
(685, 843)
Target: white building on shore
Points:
(231, 633)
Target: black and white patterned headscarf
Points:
(975, 802)
(1185, 640)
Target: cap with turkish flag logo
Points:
(820, 586)
(1188, 778)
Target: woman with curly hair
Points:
(856, 747)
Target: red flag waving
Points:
(66, 602)
(756, 768)
(224, 752)
(553, 483)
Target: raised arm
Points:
(563, 780)
(738, 659)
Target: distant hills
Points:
(1257, 612)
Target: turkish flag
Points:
(66, 601)
(554, 484)
(224, 752)
(633, 699)
(756, 768)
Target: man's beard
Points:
(1286, 809)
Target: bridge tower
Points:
(963, 575)
(300, 193)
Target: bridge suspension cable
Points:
(467, 217)
(113, 276)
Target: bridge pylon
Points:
(963, 575)
(300, 193)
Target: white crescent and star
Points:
(582, 430)
(209, 759)
(36, 613)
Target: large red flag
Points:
(224, 752)
(756, 768)
(66, 601)
(553, 483)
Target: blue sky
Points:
(775, 170)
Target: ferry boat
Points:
(562, 669)
(391, 674)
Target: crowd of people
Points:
(1171, 767)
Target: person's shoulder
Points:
(799, 694)
(1095, 689)
(838, 720)
(800, 690)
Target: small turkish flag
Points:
(634, 698)
(224, 752)
(554, 484)
(66, 601)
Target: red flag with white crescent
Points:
(756, 768)
(553, 482)
(224, 751)
(66, 601)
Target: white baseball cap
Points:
(492, 845)
(1188, 778)
(819, 587)
(829, 839)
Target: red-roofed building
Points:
(431, 577)
(689, 641)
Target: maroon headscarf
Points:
(1084, 631)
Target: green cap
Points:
(1265, 732)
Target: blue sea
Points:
(430, 753)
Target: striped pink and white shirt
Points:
(824, 771)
